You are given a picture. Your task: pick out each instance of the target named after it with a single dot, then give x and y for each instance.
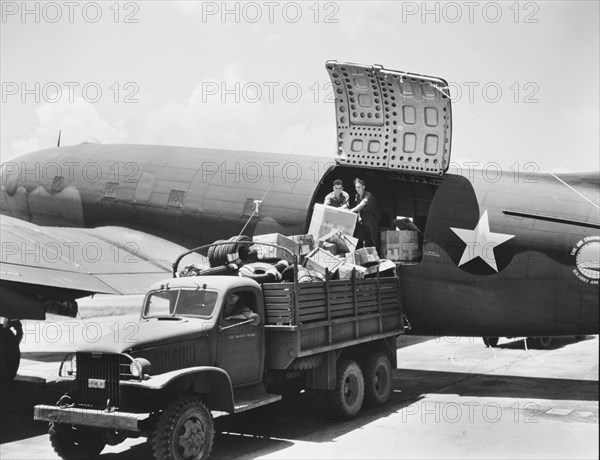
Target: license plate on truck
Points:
(96, 383)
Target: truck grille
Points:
(98, 376)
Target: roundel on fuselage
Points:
(462, 233)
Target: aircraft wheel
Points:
(490, 341)
(10, 355)
(347, 397)
(184, 430)
(74, 442)
(378, 379)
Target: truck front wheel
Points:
(347, 397)
(184, 430)
(74, 442)
(378, 379)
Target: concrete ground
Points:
(452, 398)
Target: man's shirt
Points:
(342, 201)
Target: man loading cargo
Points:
(368, 213)
(338, 198)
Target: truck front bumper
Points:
(125, 421)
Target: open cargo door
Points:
(392, 120)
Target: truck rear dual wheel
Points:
(347, 397)
(378, 379)
(74, 442)
(184, 430)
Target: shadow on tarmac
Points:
(304, 416)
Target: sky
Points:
(524, 76)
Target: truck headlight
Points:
(139, 367)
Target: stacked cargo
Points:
(328, 251)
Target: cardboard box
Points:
(344, 243)
(320, 260)
(363, 256)
(270, 252)
(382, 266)
(400, 245)
(345, 271)
(329, 247)
(306, 243)
(326, 218)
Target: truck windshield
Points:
(182, 302)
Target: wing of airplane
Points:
(58, 263)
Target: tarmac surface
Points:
(452, 398)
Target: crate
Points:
(270, 252)
(345, 271)
(306, 243)
(363, 256)
(344, 243)
(400, 245)
(321, 260)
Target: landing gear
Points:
(544, 342)
(378, 379)
(347, 397)
(75, 443)
(490, 341)
(10, 355)
(184, 430)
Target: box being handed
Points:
(320, 260)
(271, 252)
(325, 218)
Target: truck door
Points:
(240, 347)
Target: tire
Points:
(378, 379)
(10, 355)
(490, 341)
(75, 442)
(347, 397)
(184, 430)
(260, 272)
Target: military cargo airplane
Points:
(503, 254)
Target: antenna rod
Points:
(58, 143)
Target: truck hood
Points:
(149, 333)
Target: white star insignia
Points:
(481, 242)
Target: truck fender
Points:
(211, 381)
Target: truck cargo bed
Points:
(304, 319)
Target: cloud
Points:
(229, 111)
(79, 120)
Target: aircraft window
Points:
(176, 198)
(111, 190)
(249, 207)
(57, 183)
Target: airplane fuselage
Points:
(502, 254)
